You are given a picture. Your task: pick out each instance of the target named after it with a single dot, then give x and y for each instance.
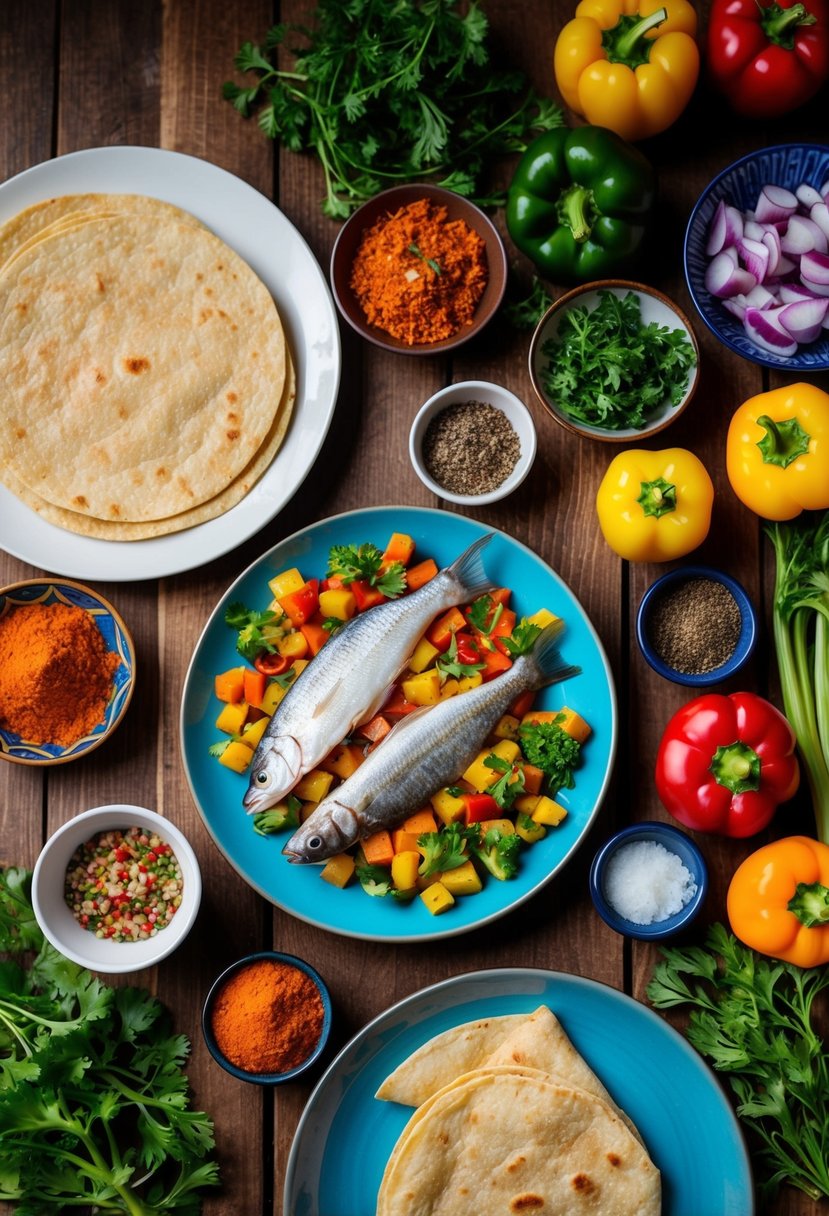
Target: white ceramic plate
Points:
(270, 244)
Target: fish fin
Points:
(469, 570)
(544, 656)
(326, 701)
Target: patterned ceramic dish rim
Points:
(20, 751)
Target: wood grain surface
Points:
(87, 73)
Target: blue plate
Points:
(346, 1135)
(116, 638)
(298, 889)
(786, 165)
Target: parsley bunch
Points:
(94, 1102)
(258, 631)
(550, 748)
(753, 1018)
(607, 368)
(365, 562)
(390, 91)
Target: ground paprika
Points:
(267, 1017)
(55, 673)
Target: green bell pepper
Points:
(579, 203)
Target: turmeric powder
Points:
(55, 673)
(419, 275)
(268, 1017)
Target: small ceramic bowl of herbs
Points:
(614, 360)
(472, 443)
(648, 881)
(696, 626)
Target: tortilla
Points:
(112, 530)
(503, 1141)
(143, 364)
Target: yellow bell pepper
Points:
(778, 901)
(630, 65)
(655, 506)
(777, 452)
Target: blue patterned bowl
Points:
(786, 165)
(116, 638)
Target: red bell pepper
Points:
(768, 56)
(299, 606)
(478, 807)
(725, 762)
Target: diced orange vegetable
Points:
(420, 823)
(314, 635)
(540, 715)
(236, 756)
(293, 645)
(375, 729)
(332, 583)
(440, 631)
(494, 664)
(533, 779)
(233, 717)
(343, 761)
(254, 682)
(523, 704)
(254, 731)
(479, 807)
(338, 602)
(424, 653)
(366, 595)
(299, 606)
(505, 826)
(501, 595)
(338, 869)
(397, 706)
(399, 549)
(403, 841)
(230, 685)
(574, 725)
(437, 899)
(378, 849)
(503, 629)
(285, 582)
(420, 574)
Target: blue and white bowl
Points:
(116, 637)
(786, 165)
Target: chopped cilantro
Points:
(375, 880)
(258, 631)
(352, 562)
(523, 638)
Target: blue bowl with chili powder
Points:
(321, 1012)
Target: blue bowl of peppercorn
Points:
(267, 1018)
(696, 626)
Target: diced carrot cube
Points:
(573, 724)
(420, 823)
(399, 549)
(375, 729)
(522, 705)
(230, 685)
(343, 761)
(440, 631)
(254, 684)
(314, 635)
(501, 595)
(378, 849)
(494, 664)
(420, 574)
(533, 779)
(403, 841)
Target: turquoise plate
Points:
(298, 889)
(345, 1135)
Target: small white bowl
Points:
(491, 394)
(81, 945)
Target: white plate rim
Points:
(252, 225)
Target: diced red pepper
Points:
(255, 682)
(503, 629)
(523, 704)
(397, 706)
(479, 806)
(332, 583)
(299, 606)
(314, 635)
(375, 729)
(366, 595)
(468, 649)
(495, 663)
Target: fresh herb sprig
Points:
(752, 1017)
(448, 663)
(547, 746)
(485, 614)
(522, 638)
(509, 785)
(258, 631)
(390, 91)
(607, 368)
(365, 562)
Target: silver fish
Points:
(423, 753)
(348, 680)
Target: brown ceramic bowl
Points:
(654, 307)
(388, 202)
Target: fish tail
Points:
(544, 657)
(469, 570)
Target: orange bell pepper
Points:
(778, 901)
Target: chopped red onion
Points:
(766, 330)
(774, 204)
(804, 319)
(807, 195)
(802, 234)
(819, 214)
(723, 278)
(814, 272)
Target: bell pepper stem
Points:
(736, 766)
(658, 497)
(624, 44)
(783, 441)
(781, 24)
(574, 208)
(810, 904)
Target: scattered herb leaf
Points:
(364, 562)
(551, 749)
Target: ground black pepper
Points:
(695, 627)
(470, 448)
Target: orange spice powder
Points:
(55, 673)
(268, 1017)
(419, 275)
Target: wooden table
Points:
(85, 73)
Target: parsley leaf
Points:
(523, 638)
(365, 562)
(551, 749)
(448, 664)
(375, 880)
(258, 631)
(509, 785)
(446, 849)
(484, 614)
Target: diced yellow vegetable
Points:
(507, 728)
(293, 645)
(528, 829)
(232, 718)
(343, 761)
(542, 618)
(272, 696)
(338, 869)
(575, 725)
(314, 785)
(424, 653)
(428, 881)
(404, 870)
(236, 756)
(437, 899)
(548, 812)
(253, 733)
(467, 682)
(480, 775)
(306, 810)
(449, 689)
(299, 665)
(526, 803)
(504, 826)
(423, 688)
(447, 807)
(284, 583)
(339, 602)
(463, 880)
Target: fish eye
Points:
(262, 777)
(315, 843)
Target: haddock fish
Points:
(425, 752)
(348, 680)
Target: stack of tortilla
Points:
(510, 1119)
(147, 382)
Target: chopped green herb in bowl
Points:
(614, 360)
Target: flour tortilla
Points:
(143, 364)
(111, 530)
(502, 1142)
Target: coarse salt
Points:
(646, 883)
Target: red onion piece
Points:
(767, 332)
(734, 306)
(790, 293)
(807, 195)
(802, 234)
(774, 204)
(753, 230)
(759, 297)
(723, 278)
(771, 239)
(804, 319)
(755, 257)
(820, 215)
(814, 272)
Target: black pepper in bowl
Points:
(695, 627)
(471, 447)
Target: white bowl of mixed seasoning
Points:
(117, 888)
